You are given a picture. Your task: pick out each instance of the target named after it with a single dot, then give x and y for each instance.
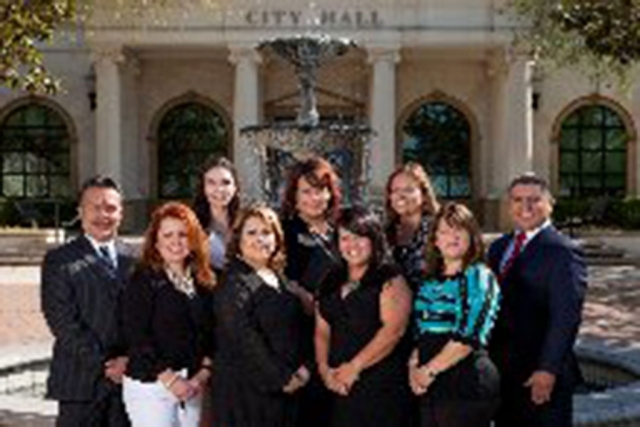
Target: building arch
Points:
(207, 129)
(38, 150)
(572, 146)
(467, 126)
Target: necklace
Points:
(349, 287)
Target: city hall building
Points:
(147, 98)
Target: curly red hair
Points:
(198, 242)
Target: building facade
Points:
(146, 98)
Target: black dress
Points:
(257, 335)
(411, 257)
(310, 258)
(380, 397)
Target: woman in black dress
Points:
(410, 205)
(362, 314)
(167, 322)
(310, 207)
(258, 364)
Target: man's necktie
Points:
(518, 243)
(105, 254)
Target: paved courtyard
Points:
(611, 315)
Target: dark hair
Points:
(319, 174)
(99, 181)
(430, 205)
(198, 242)
(200, 202)
(530, 178)
(363, 222)
(456, 215)
(267, 215)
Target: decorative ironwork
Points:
(275, 147)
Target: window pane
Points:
(615, 162)
(37, 186)
(616, 139)
(591, 162)
(592, 116)
(591, 139)
(60, 186)
(569, 162)
(12, 163)
(13, 185)
(569, 138)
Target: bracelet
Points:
(431, 373)
(171, 382)
(207, 367)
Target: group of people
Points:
(317, 315)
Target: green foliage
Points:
(620, 213)
(601, 37)
(24, 27)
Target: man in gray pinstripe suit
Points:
(82, 281)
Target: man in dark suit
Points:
(543, 281)
(81, 284)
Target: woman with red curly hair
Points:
(167, 322)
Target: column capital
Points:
(383, 54)
(108, 53)
(244, 52)
(502, 61)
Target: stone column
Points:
(383, 112)
(246, 112)
(511, 126)
(512, 120)
(109, 130)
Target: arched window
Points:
(34, 153)
(437, 135)
(187, 135)
(593, 153)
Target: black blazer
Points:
(542, 298)
(80, 300)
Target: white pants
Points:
(152, 405)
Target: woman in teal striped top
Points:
(454, 311)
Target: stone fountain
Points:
(277, 146)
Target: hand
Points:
(541, 383)
(421, 378)
(199, 381)
(182, 389)
(329, 379)
(298, 380)
(347, 374)
(115, 368)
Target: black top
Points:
(163, 327)
(380, 396)
(257, 331)
(411, 257)
(310, 256)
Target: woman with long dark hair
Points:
(216, 204)
(411, 204)
(363, 310)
